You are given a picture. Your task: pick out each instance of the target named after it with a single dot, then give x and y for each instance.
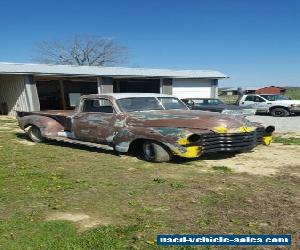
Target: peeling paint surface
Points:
(190, 152)
(173, 128)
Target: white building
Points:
(32, 87)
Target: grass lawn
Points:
(287, 140)
(229, 99)
(57, 196)
(293, 93)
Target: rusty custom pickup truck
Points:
(156, 126)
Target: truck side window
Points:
(198, 101)
(258, 99)
(98, 105)
(250, 98)
(254, 98)
(189, 102)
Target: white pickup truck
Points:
(276, 105)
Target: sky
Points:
(255, 42)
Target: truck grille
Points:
(231, 142)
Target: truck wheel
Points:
(279, 112)
(155, 152)
(35, 135)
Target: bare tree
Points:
(94, 51)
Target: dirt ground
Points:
(263, 160)
(289, 124)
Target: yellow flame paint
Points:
(266, 140)
(220, 129)
(191, 152)
(245, 129)
(183, 141)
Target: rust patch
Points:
(169, 127)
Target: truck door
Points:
(95, 121)
(248, 101)
(255, 101)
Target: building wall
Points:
(229, 92)
(167, 86)
(193, 88)
(105, 85)
(18, 92)
(12, 93)
(31, 93)
(214, 88)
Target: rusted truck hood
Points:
(192, 119)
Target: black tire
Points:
(155, 152)
(34, 133)
(280, 112)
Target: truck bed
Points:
(62, 116)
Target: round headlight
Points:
(194, 138)
(270, 129)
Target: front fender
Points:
(47, 125)
(174, 138)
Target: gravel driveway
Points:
(282, 124)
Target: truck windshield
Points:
(172, 103)
(133, 104)
(275, 97)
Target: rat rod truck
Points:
(156, 126)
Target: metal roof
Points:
(74, 70)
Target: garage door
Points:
(187, 88)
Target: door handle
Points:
(76, 116)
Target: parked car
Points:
(216, 105)
(158, 126)
(276, 105)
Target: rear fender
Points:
(47, 125)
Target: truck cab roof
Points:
(127, 95)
